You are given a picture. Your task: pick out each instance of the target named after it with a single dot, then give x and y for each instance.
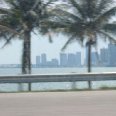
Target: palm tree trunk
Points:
(89, 63)
(89, 57)
(26, 56)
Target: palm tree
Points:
(25, 17)
(4, 28)
(86, 20)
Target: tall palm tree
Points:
(25, 17)
(86, 20)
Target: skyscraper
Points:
(43, 59)
(104, 57)
(112, 54)
(94, 58)
(63, 59)
(38, 60)
(54, 62)
(78, 59)
(71, 60)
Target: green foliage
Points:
(26, 14)
(86, 19)
(5, 29)
(22, 15)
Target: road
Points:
(87, 103)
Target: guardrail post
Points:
(89, 85)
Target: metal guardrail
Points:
(66, 77)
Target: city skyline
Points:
(65, 60)
(106, 57)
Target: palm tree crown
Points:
(25, 16)
(87, 19)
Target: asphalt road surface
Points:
(87, 103)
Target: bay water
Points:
(55, 85)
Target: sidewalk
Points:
(87, 103)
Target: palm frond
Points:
(103, 5)
(8, 29)
(35, 4)
(48, 3)
(110, 27)
(106, 15)
(77, 7)
(107, 35)
(8, 40)
(3, 11)
(67, 14)
(68, 42)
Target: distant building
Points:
(71, 60)
(112, 54)
(43, 59)
(78, 59)
(52, 63)
(66, 60)
(104, 57)
(38, 62)
(55, 62)
(94, 58)
(63, 59)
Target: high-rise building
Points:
(54, 62)
(112, 54)
(71, 60)
(104, 57)
(78, 59)
(94, 58)
(43, 59)
(66, 60)
(38, 62)
(63, 59)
